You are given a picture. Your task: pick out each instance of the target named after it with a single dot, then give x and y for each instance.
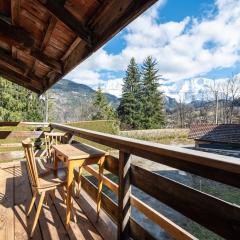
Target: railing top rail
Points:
(136, 147)
(18, 124)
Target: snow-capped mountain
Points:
(192, 89)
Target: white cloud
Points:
(179, 47)
(84, 76)
(113, 86)
(94, 80)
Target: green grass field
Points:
(105, 126)
(163, 136)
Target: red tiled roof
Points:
(222, 133)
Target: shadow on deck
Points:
(15, 197)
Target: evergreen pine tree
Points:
(129, 110)
(104, 111)
(18, 103)
(152, 99)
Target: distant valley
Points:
(70, 101)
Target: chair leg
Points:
(53, 196)
(46, 199)
(74, 213)
(100, 184)
(63, 194)
(79, 181)
(38, 212)
(32, 203)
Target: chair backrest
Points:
(31, 161)
(67, 138)
(55, 138)
(51, 139)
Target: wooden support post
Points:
(124, 192)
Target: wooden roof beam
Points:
(102, 6)
(17, 34)
(98, 12)
(17, 66)
(62, 14)
(7, 60)
(19, 79)
(36, 53)
(15, 6)
(46, 37)
(18, 37)
(26, 71)
(74, 44)
(21, 39)
(51, 25)
(48, 61)
(29, 79)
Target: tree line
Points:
(219, 102)
(19, 104)
(141, 105)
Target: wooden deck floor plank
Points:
(51, 225)
(6, 204)
(104, 225)
(15, 197)
(82, 229)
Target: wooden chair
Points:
(43, 184)
(50, 139)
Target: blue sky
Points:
(191, 41)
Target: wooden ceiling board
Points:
(64, 32)
(25, 57)
(41, 70)
(53, 51)
(36, 22)
(82, 9)
(36, 9)
(32, 29)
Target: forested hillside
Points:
(18, 103)
(70, 101)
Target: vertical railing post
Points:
(124, 192)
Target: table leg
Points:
(55, 160)
(69, 192)
(100, 184)
(79, 181)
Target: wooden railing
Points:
(11, 135)
(220, 216)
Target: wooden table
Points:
(77, 155)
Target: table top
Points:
(78, 151)
(54, 134)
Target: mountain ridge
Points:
(70, 86)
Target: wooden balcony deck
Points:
(120, 175)
(15, 197)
